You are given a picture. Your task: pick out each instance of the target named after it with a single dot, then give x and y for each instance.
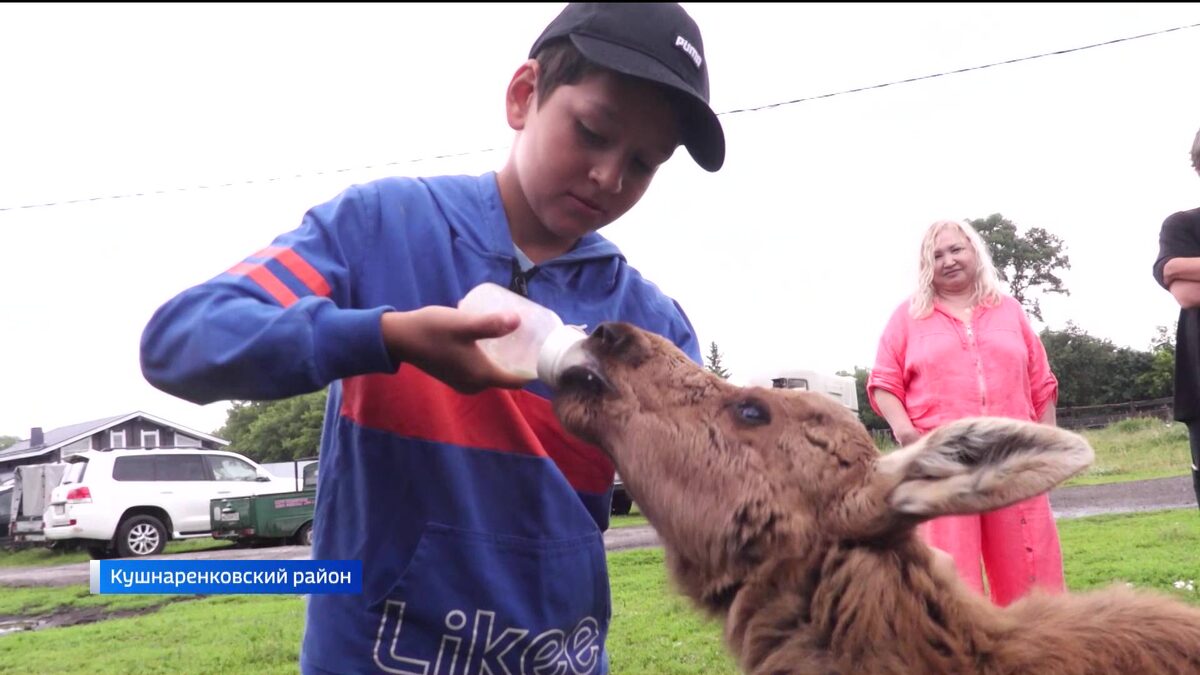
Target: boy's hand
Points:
(441, 342)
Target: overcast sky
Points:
(792, 256)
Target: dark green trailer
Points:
(280, 517)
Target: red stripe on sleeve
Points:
(305, 272)
(271, 284)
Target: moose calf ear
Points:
(980, 464)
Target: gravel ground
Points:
(1130, 497)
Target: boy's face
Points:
(586, 154)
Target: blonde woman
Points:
(961, 347)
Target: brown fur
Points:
(778, 515)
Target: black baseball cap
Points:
(654, 41)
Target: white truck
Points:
(842, 388)
(301, 472)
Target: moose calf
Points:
(778, 515)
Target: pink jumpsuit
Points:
(942, 370)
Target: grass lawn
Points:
(1136, 449)
(1151, 550)
(46, 599)
(231, 634)
(633, 519)
(654, 631)
(1140, 448)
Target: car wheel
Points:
(141, 536)
(304, 535)
(621, 503)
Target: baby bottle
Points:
(536, 349)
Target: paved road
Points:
(1070, 502)
(1131, 497)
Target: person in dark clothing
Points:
(1178, 270)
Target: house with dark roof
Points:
(133, 430)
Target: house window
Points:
(789, 383)
(185, 441)
(116, 438)
(149, 438)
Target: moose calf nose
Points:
(614, 338)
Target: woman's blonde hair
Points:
(987, 283)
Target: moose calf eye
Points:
(752, 412)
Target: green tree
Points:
(1081, 362)
(1094, 371)
(1124, 381)
(868, 417)
(1027, 262)
(276, 431)
(713, 364)
(7, 441)
(1159, 380)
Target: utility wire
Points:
(960, 70)
(487, 150)
(252, 181)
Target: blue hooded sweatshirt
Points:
(477, 518)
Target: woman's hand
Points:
(897, 417)
(906, 436)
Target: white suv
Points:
(133, 501)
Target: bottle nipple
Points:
(559, 352)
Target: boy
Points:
(1177, 269)
(477, 518)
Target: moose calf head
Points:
(735, 478)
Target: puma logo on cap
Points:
(687, 47)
